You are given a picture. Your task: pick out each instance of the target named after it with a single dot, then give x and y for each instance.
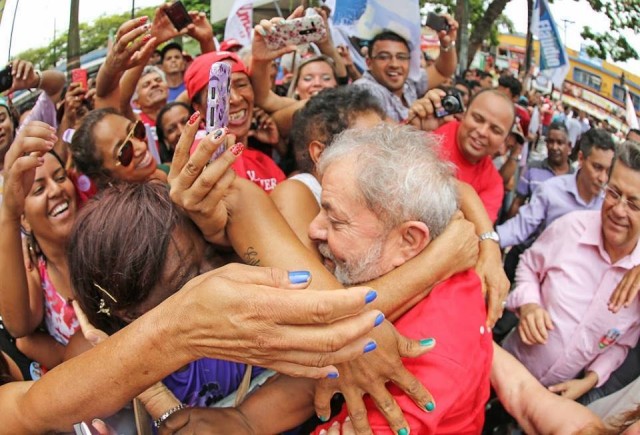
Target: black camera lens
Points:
(451, 104)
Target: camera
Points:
(6, 79)
(451, 104)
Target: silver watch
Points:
(490, 235)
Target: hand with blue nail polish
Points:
(380, 363)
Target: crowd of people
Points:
(431, 249)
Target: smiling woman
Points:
(37, 288)
(109, 147)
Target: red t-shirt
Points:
(524, 118)
(456, 372)
(259, 168)
(253, 165)
(482, 176)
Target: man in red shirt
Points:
(385, 195)
(471, 143)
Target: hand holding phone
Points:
(6, 79)
(218, 100)
(437, 22)
(178, 15)
(79, 75)
(297, 31)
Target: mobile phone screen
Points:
(178, 15)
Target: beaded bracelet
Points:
(157, 423)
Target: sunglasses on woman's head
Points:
(125, 151)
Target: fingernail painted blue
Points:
(403, 431)
(379, 320)
(299, 276)
(370, 296)
(427, 342)
(332, 375)
(323, 418)
(370, 346)
(430, 406)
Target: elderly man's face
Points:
(152, 90)
(353, 241)
(620, 221)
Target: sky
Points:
(34, 24)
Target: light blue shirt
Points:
(552, 199)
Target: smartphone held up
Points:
(178, 15)
(297, 31)
(218, 100)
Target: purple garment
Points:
(554, 198)
(206, 381)
(569, 273)
(393, 106)
(535, 174)
(44, 110)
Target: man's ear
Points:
(580, 158)
(412, 238)
(315, 150)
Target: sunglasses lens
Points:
(139, 131)
(126, 154)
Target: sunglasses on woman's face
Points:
(125, 151)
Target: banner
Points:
(3, 3)
(631, 118)
(554, 62)
(354, 20)
(240, 22)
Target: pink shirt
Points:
(568, 272)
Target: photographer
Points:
(471, 142)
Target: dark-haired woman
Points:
(40, 201)
(109, 147)
(169, 125)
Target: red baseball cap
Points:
(196, 76)
(230, 44)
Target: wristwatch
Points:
(490, 235)
(451, 45)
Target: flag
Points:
(363, 19)
(632, 119)
(554, 62)
(240, 22)
(3, 3)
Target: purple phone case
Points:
(218, 99)
(297, 31)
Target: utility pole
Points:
(73, 40)
(462, 16)
(13, 23)
(529, 47)
(564, 26)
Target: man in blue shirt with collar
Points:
(563, 194)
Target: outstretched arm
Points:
(535, 408)
(285, 330)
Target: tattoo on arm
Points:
(251, 257)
